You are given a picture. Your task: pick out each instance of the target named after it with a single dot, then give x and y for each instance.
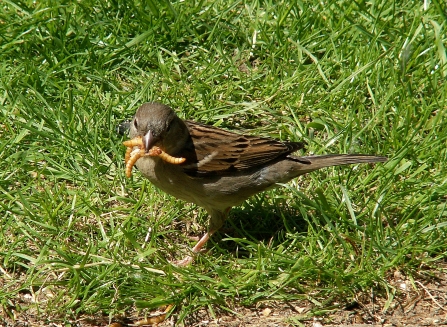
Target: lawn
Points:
(81, 244)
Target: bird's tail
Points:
(316, 162)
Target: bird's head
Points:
(158, 125)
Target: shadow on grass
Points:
(259, 222)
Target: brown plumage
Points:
(211, 150)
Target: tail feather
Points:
(328, 160)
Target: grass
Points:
(80, 238)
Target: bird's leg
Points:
(186, 261)
(217, 219)
(198, 247)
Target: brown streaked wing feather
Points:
(214, 150)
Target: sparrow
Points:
(219, 169)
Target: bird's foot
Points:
(196, 249)
(185, 262)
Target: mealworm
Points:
(156, 151)
(127, 155)
(136, 141)
(131, 156)
(132, 160)
(170, 159)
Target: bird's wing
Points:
(212, 150)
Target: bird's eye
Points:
(135, 123)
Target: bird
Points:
(219, 169)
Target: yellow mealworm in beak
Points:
(132, 160)
(127, 155)
(131, 156)
(156, 151)
(137, 141)
(170, 159)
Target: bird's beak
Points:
(148, 141)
